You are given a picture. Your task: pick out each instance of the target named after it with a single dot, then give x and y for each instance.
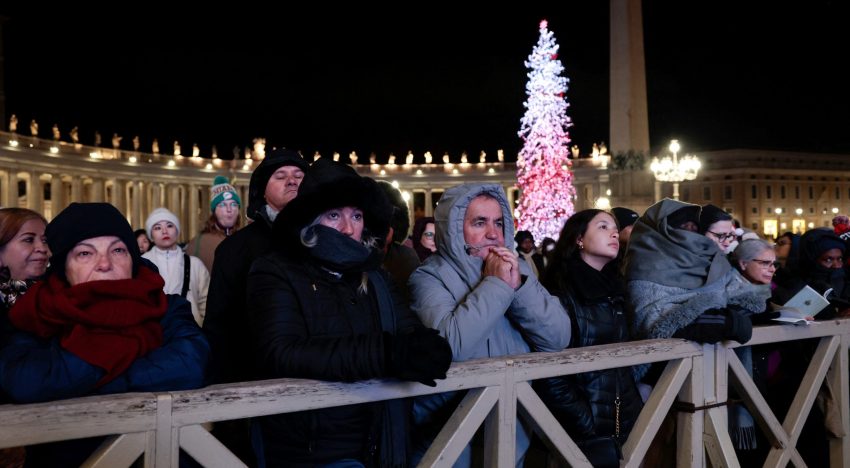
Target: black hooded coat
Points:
(226, 321)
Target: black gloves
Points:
(739, 327)
(421, 355)
(716, 325)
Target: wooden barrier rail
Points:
(157, 425)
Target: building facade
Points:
(767, 191)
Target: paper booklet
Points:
(806, 303)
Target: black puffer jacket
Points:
(584, 404)
(309, 323)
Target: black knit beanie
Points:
(81, 221)
(711, 214)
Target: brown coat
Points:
(203, 246)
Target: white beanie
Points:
(161, 214)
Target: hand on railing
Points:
(715, 325)
(421, 356)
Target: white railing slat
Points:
(759, 408)
(206, 449)
(656, 408)
(689, 426)
(77, 418)
(548, 428)
(805, 397)
(839, 449)
(117, 451)
(460, 428)
(156, 424)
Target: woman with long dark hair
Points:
(598, 409)
(423, 237)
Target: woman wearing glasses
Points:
(423, 237)
(717, 225)
(756, 260)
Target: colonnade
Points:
(47, 176)
(49, 192)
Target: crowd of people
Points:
(324, 282)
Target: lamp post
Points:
(675, 170)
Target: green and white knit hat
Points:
(221, 191)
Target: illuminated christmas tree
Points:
(543, 169)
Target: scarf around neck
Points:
(108, 324)
(340, 253)
(591, 284)
(11, 289)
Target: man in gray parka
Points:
(476, 292)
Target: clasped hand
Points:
(503, 264)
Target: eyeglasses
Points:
(722, 237)
(428, 234)
(767, 264)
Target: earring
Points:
(581, 245)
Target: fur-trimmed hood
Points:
(328, 184)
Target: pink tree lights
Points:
(543, 169)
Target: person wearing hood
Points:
(821, 266)
(477, 293)
(273, 185)
(321, 307)
(680, 283)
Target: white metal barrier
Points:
(157, 425)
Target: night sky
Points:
(719, 75)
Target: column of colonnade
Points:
(136, 199)
(429, 197)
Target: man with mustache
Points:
(480, 297)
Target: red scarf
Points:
(108, 324)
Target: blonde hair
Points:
(309, 239)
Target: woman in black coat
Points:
(584, 275)
(322, 308)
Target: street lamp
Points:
(675, 170)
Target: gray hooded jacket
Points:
(482, 316)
